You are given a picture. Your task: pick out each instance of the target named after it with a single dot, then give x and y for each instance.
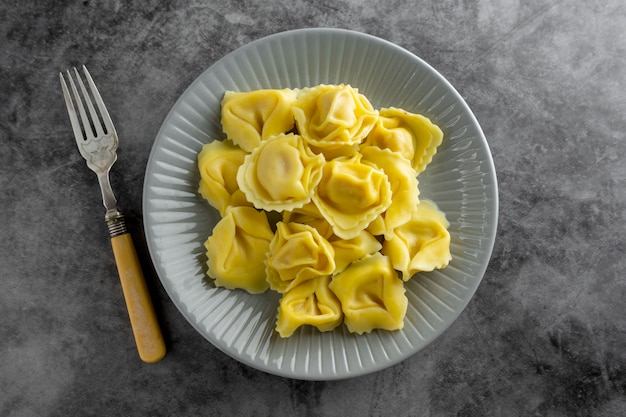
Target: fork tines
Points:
(96, 121)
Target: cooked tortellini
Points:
(320, 202)
(297, 253)
(412, 135)
(421, 244)
(403, 183)
(372, 295)
(311, 302)
(351, 194)
(351, 250)
(218, 163)
(333, 117)
(250, 117)
(237, 248)
(280, 174)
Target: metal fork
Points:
(97, 142)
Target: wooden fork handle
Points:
(148, 337)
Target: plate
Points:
(461, 180)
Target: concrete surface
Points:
(545, 334)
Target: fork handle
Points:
(143, 319)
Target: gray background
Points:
(544, 334)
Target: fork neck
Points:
(108, 198)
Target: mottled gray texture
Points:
(545, 334)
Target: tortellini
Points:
(414, 136)
(422, 244)
(371, 295)
(311, 302)
(351, 194)
(332, 117)
(403, 183)
(237, 248)
(351, 250)
(250, 117)
(218, 163)
(319, 198)
(280, 174)
(297, 253)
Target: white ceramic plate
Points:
(461, 180)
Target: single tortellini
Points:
(350, 250)
(297, 253)
(250, 117)
(218, 163)
(412, 135)
(351, 194)
(237, 249)
(372, 295)
(422, 244)
(333, 117)
(309, 303)
(280, 174)
(404, 187)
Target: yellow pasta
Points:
(309, 303)
(333, 118)
(351, 250)
(237, 248)
(371, 295)
(422, 244)
(412, 135)
(297, 253)
(351, 194)
(339, 181)
(250, 117)
(309, 214)
(404, 187)
(280, 174)
(218, 163)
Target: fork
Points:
(97, 142)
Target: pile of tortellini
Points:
(319, 201)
